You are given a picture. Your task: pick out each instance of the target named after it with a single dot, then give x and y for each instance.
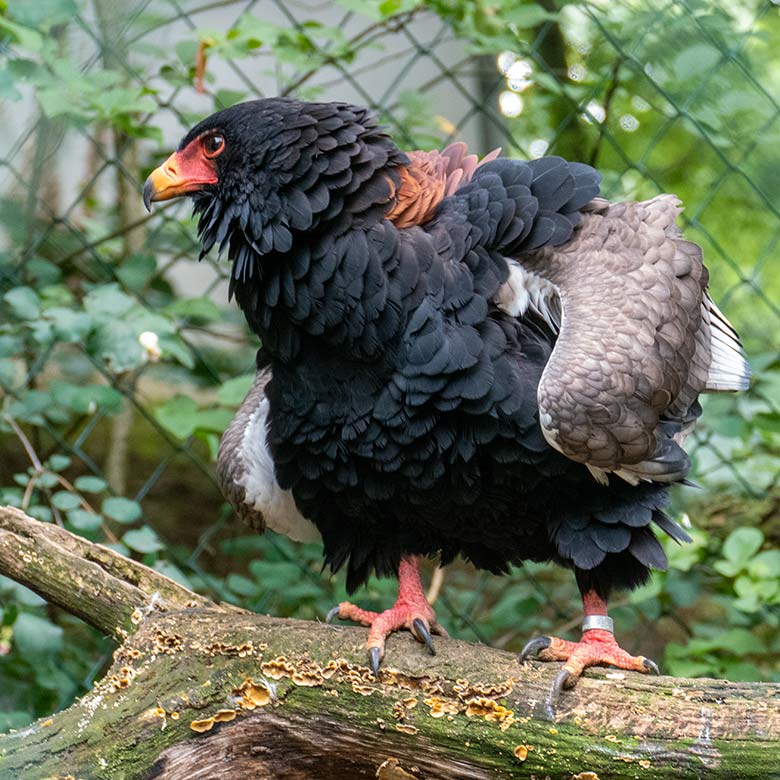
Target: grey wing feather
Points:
(639, 340)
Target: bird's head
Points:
(224, 152)
(262, 170)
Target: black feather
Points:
(403, 412)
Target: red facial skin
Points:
(187, 170)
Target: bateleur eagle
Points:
(483, 359)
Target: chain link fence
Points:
(114, 436)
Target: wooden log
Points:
(199, 690)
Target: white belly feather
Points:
(262, 491)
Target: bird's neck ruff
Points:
(295, 221)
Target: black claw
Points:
(533, 647)
(651, 666)
(375, 656)
(562, 680)
(332, 614)
(420, 630)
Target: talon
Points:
(562, 680)
(375, 656)
(411, 612)
(533, 647)
(597, 647)
(651, 666)
(420, 630)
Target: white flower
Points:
(150, 341)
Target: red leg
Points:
(410, 611)
(597, 647)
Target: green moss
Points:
(116, 732)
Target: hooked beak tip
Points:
(149, 193)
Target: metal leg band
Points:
(602, 622)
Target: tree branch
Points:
(104, 589)
(208, 691)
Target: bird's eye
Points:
(213, 145)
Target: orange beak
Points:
(172, 180)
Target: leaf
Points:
(182, 417)
(10, 346)
(136, 272)
(729, 425)
(765, 565)
(683, 590)
(168, 569)
(212, 442)
(527, 15)
(193, 308)
(42, 14)
(8, 90)
(123, 510)
(36, 636)
(26, 37)
(44, 272)
(186, 51)
(768, 422)
(42, 513)
(172, 345)
(65, 500)
(178, 416)
(741, 671)
(752, 594)
(86, 399)
(56, 102)
(113, 104)
(116, 343)
(143, 540)
(214, 420)
(82, 520)
(48, 480)
(695, 61)
(23, 302)
(242, 586)
(8, 372)
(227, 97)
(42, 332)
(728, 568)
(20, 594)
(59, 462)
(10, 496)
(233, 391)
(389, 7)
(30, 405)
(69, 325)
(107, 302)
(90, 484)
(742, 544)
(15, 719)
(146, 320)
(378, 9)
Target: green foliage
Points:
(61, 87)
(112, 349)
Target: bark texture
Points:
(200, 691)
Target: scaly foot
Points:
(411, 611)
(597, 647)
